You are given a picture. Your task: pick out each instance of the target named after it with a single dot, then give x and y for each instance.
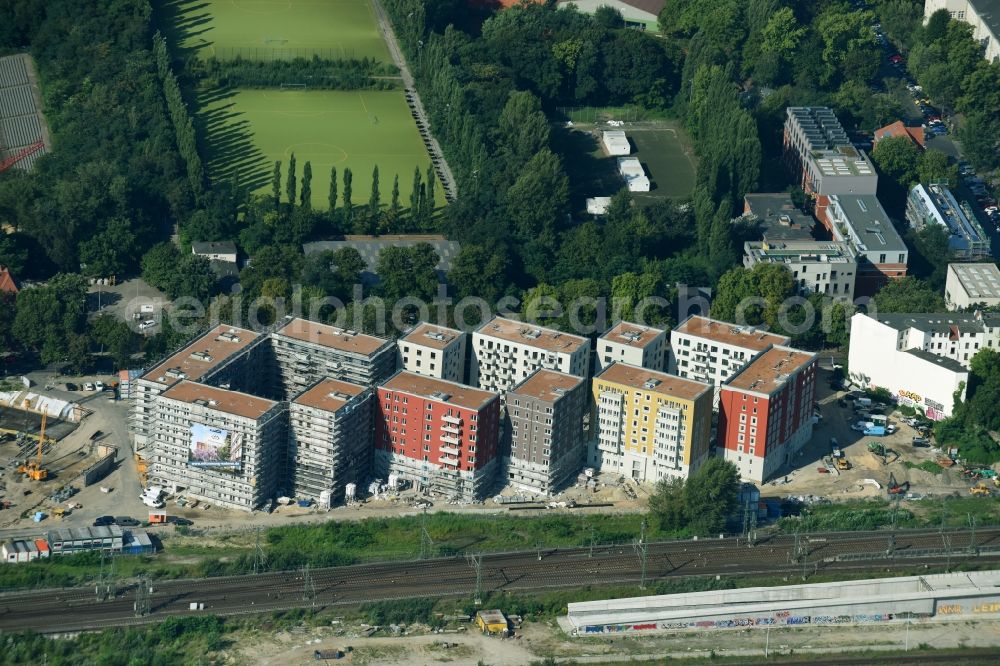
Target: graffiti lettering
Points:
(781, 615)
(641, 627)
(799, 619)
(910, 395)
(986, 608)
(952, 609)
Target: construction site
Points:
(24, 136)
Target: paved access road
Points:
(68, 609)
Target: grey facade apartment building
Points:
(545, 414)
(818, 267)
(307, 351)
(225, 356)
(217, 445)
(434, 351)
(819, 151)
(635, 344)
(330, 438)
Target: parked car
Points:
(126, 521)
(921, 442)
(177, 520)
(70, 386)
(147, 324)
(87, 386)
(98, 386)
(103, 521)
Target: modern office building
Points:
(546, 413)
(505, 352)
(820, 154)
(216, 445)
(935, 204)
(711, 351)
(307, 351)
(635, 344)
(818, 267)
(441, 435)
(648, 425)
(766, 412)
(434, 351)
(982, 15)
(862, 222)
(330, 439)
(972, 285)
(779, 218)
(226, 356)
(913, 360)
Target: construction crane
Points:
(20, 155)
(33, 468)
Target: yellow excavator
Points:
(33, 468)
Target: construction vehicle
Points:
(981, 490)
(896, 488)
(33, 468)
(843, 464)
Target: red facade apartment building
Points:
(766, 411)
(439, 434)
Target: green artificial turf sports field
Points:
(249, 129)
(666, 153)
(267, 29)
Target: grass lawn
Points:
(266, 29)
(248, 130)
(660, 145)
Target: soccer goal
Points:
(293, 86)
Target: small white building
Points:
(882, 357)
(634, 175)
(598, 205)
(970, 285)
(216, 251)
(616, 143)
(434, 351)
(634, 344)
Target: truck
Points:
(843, 464)
(875, 431)
(864, 402)
(153, 497)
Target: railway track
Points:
(779, 555)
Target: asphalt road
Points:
(78, 608)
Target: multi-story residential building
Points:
(217, 445)
(935, 204)
(863, 223)
(329, 439)
(972, 285)
(223, 356)
(505, 352)
(435, 351)
(649, 425)
(307, 351)
(441, 435)
(766, 412)
(712, 351)
(915, 359)
(635, 344)
(952, 335)
(818, 267)
(545, 414)
(982, 15)
(779, 218)
(820, 154)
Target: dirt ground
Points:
(540, 640)
(856, 483)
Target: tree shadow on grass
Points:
(184, 23)
(227, 140)
(590, 172)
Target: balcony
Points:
(448, 418)
(451, 450)
(450, 428)
(449, 460)
(451, 439)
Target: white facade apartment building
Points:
(434, 351)
(219, 357)
(818, 267)
(884, 355)
(219, 446)
(635, 344)
(307, 351)
(505, 352)
(953, 335)
(330, 438)
(972, 285)
(982, 15)
(712, 351)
